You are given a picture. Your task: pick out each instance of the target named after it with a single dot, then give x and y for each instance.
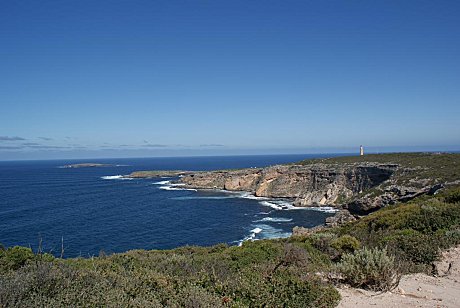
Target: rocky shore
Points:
(313, 185)
(359, 187)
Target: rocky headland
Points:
(313, 185)
(358, 184)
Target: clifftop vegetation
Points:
(441, 167)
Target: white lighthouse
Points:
(361, 150)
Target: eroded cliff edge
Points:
(313, 185)
(359, 184)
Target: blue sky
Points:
(156, 78)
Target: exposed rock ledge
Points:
(344, 185)
(316, 184)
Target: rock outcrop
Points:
(391, 194)
(311, 185)
(359, 184)
(340, 218)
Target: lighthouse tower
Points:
(361, 150)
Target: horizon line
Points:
(233, 155)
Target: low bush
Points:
(322, 241)
(452, 196)
(414, 246)
(451, 238)
(371, 269)
(271, 273)
(414, 233)
(346, 244)
(15, 257)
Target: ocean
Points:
(91, 210)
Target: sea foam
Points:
(275, 219)
(263, 231)
(325, 209)
(169, 187)
(115, 177)
(251, 237)
(161, 183)
(248, 195)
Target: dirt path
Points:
(417, 290)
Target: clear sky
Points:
(155, 78)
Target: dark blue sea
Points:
(92, 210)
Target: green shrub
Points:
(254, 252)
(322, 241)
(15, 257)
(414, 249)
(346, 244)
(275, 276)
(369, 268)
(452, 237)
(430, 219)
(417, 247)
(433, 216)
(453, 196)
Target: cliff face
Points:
(361, 184)
(316, 184)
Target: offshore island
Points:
(398, 227)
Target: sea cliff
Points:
(359, 184)
(317, 184)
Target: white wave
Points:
(111, 177)
(251, 237)
(279, 205)
(161, 183)
(248, 195)
(275, 219)
(271, 204)
(169, 187)
(270, 232)
(115, 177)
(326, 209)
(285, 205)
(263, 232)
